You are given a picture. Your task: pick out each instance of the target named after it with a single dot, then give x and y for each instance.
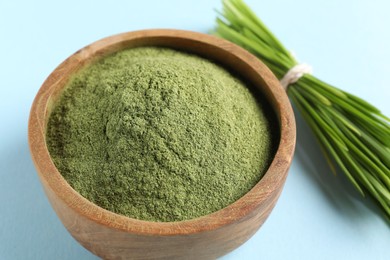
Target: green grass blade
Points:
(352, 132)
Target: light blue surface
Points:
(319, 216)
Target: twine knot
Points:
(294, 74)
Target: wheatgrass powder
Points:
(160, 135)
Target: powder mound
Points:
(160, 135)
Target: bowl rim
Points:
(246, 205)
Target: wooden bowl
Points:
(113, 236)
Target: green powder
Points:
(160, 135)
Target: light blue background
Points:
(319, 216)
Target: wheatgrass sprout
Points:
(352, 133)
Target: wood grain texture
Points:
(112, 236)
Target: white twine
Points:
(294, 74)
